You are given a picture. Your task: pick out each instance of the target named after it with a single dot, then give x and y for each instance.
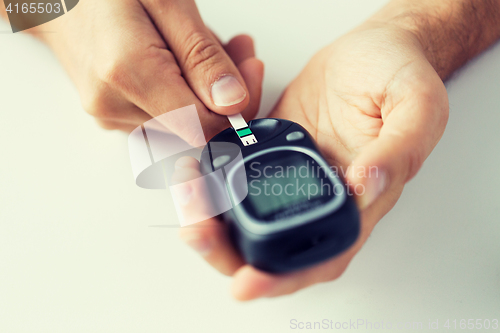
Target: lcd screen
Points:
(285, 183)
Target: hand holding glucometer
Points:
(289, 210)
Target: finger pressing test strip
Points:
(241, 127)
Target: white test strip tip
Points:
(249, 140)
(242, 130)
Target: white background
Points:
(77, 253)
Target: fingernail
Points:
(374, 186)
(227, 91)
(201, 245)
(183, 194)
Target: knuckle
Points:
(163, 5)
(202, 52)
(161, 61)
(114, 72)
(95, 103)
(107, 125)
(195, 138)
(415, 160)
(132, 72)
(444, 109)
(333, 273)
(435, 98)
(188, 234)
(206, 233)
(114, 69)
(443, 118)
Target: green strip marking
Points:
(243, 132)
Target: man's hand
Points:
(133, 60)
(372, 101)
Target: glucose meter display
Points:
(286, 186)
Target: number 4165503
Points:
(33, 8)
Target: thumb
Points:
(212, 74)
(242, 52)
(204, 63)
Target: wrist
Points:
(449, 32)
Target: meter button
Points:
(294, 136)
(220, 161)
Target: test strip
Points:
(241, 127)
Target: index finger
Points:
(208, 237)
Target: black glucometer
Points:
(285, 207)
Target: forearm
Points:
(451, 31)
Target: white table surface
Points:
(77, 253)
